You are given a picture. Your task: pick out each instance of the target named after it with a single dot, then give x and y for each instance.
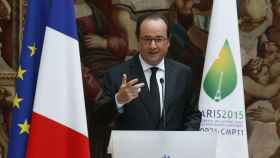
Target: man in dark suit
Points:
(148, 92)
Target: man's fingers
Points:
(131, 88)
(139, 85)
(124, 78)
(134, 90)
(132, 82)
(137, 88)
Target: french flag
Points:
(56, 126)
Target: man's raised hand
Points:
(129, 90)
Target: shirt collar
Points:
(147, 66)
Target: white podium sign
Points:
(162, 144)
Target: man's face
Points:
(153, 41)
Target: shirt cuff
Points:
(119, 105)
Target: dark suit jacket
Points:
(138, 114)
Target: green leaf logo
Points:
(221, 78)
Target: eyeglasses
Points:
(149, 40)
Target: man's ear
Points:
(169, 39)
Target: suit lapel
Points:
(136, 71)
(170, 81)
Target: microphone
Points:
(163, 107)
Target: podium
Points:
(162, 144)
